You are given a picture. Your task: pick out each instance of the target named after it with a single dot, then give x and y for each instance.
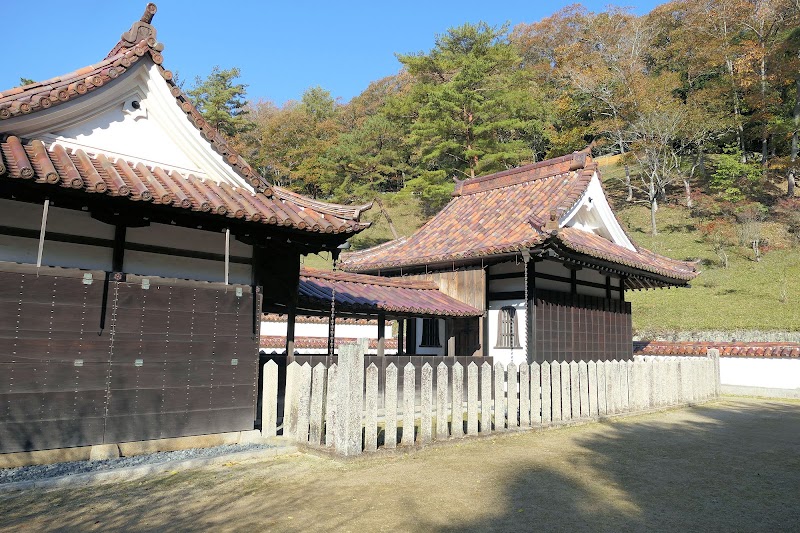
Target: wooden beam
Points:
(401, 325)
(411, 336)
(118, 255)
(573, 281)
(291, 317)
(130, 246)
(381, 334)
(530, 312)
(450, 336)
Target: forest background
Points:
(692, 109)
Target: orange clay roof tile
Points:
(362, 293)
(140, 41)
(96, 173)
(510, 211)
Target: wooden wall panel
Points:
(84, 363)
(581, 328)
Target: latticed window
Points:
(507, 331)
(430, 332)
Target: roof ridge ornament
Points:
(139, 31)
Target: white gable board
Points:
(593, 214)
(135, 118)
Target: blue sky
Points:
(282, 48)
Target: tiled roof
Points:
(98, 174)
(303, 319)
(510, 211)
(136, 43)
(489, 215)
(726, 349)
(596, 246)
(277, 342)
(371, 294)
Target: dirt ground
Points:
(733, 465)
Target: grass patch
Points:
(763, 295)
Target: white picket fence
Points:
(335, 406)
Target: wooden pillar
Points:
(484, 319)
(450, 336)
(411, 336)
(573, 280)
(381, 334)
(622, 288)
(291, 316)
(608, 287)
(118, 254)
(530, 322)
(401, 324)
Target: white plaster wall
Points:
(323, 351)
(507, 355)
(29, 216)
(60, 254)
(770, 373)
(186, 239)
(347, 331)
(168, 266)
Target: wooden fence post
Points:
(304, 403)
(525, 395)
(426, 405)
(486, 398)
(441, 401)
(555, 390)
(591, 368)
(512, 399)
(317, 404)
(472, 399)
(499, 397)
(330, 405)
(536, 394)
(583, 378)
(547, 394)
(457, 402)
(390, 407)
(566, 391)
(269, 399)
(602, 388)
(409, 393)
(350, 399)
(291, 399)
(371, 409)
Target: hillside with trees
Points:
(693, 109)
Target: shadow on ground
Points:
(734, 465)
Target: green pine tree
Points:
(222, 101)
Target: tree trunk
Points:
(688, 188)
(765, 134)
(736, 111)
(701, 163)
(628, 184)
(791, 176)
(653, 207)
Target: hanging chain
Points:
(332, 319)
(527, 315)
